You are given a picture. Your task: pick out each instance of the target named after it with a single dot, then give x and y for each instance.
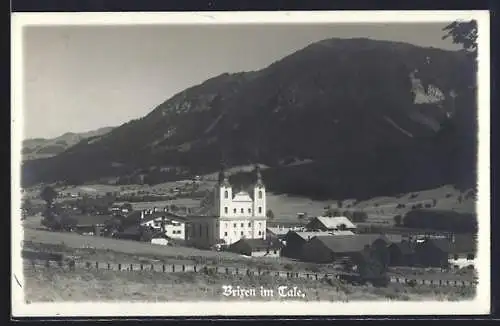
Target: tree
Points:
(398, 219)
(270, 214)
(463, 33)
(359, 216)
(48, 194)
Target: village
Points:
(235, 219)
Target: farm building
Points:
(294, 240)
(325, 223)
(173, 226)
(402, 254)
(277, 232)
(433, 252)
(463, 250)
(160, 238)
(329, 248)
(256, 248)
(135, 232)
(90, 224)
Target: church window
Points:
(241, 232)
(260, 210)
(234, 225)
(225, 234)
(242, 225)
(249, 211)
(242, 211)
(234, 210)
(250, 224)
(225, 210)
(260, 232)
(226, 194)
(260, 194)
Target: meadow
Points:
(52, 285)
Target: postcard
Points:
(250, 163)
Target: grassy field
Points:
(53, 285)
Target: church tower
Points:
(224, 194)
(259, 195)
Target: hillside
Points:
(340, 118)
(36, 148)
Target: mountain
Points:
(35, 148)
(339, 118)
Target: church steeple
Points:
(259, 182)
(223, 178)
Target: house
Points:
(433, 252)
(172, 225)
(256, 248)
(463, 250)
(325, 223)
(294, 240)
(225, 217)
(90, 224)
(136, 233)
(160, 239)
(402, 254)
(329, 248)
(278, 232)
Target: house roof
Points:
(405, 247)
(311, 234)
(348, 243)
(335, 222)
(278, 231)
(257, 244)
(443, 244)
(464, 243)
(85, 219)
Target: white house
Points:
(173, 227)
(226, 217)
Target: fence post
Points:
(163, 268)
(119, 267)
(96, 265)
(152, 267)
(109, 266)
(194, 268)
(227, 270)
(316, 276)
(142, 267)
(183, 268)
(173, 268)
(131, 267)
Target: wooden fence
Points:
(184, 268)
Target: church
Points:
(228, 214)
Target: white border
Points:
(481, 305)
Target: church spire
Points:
(223, 178)
(259, 182)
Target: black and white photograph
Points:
(222, 164)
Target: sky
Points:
(80, 78)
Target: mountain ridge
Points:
(340, 104)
